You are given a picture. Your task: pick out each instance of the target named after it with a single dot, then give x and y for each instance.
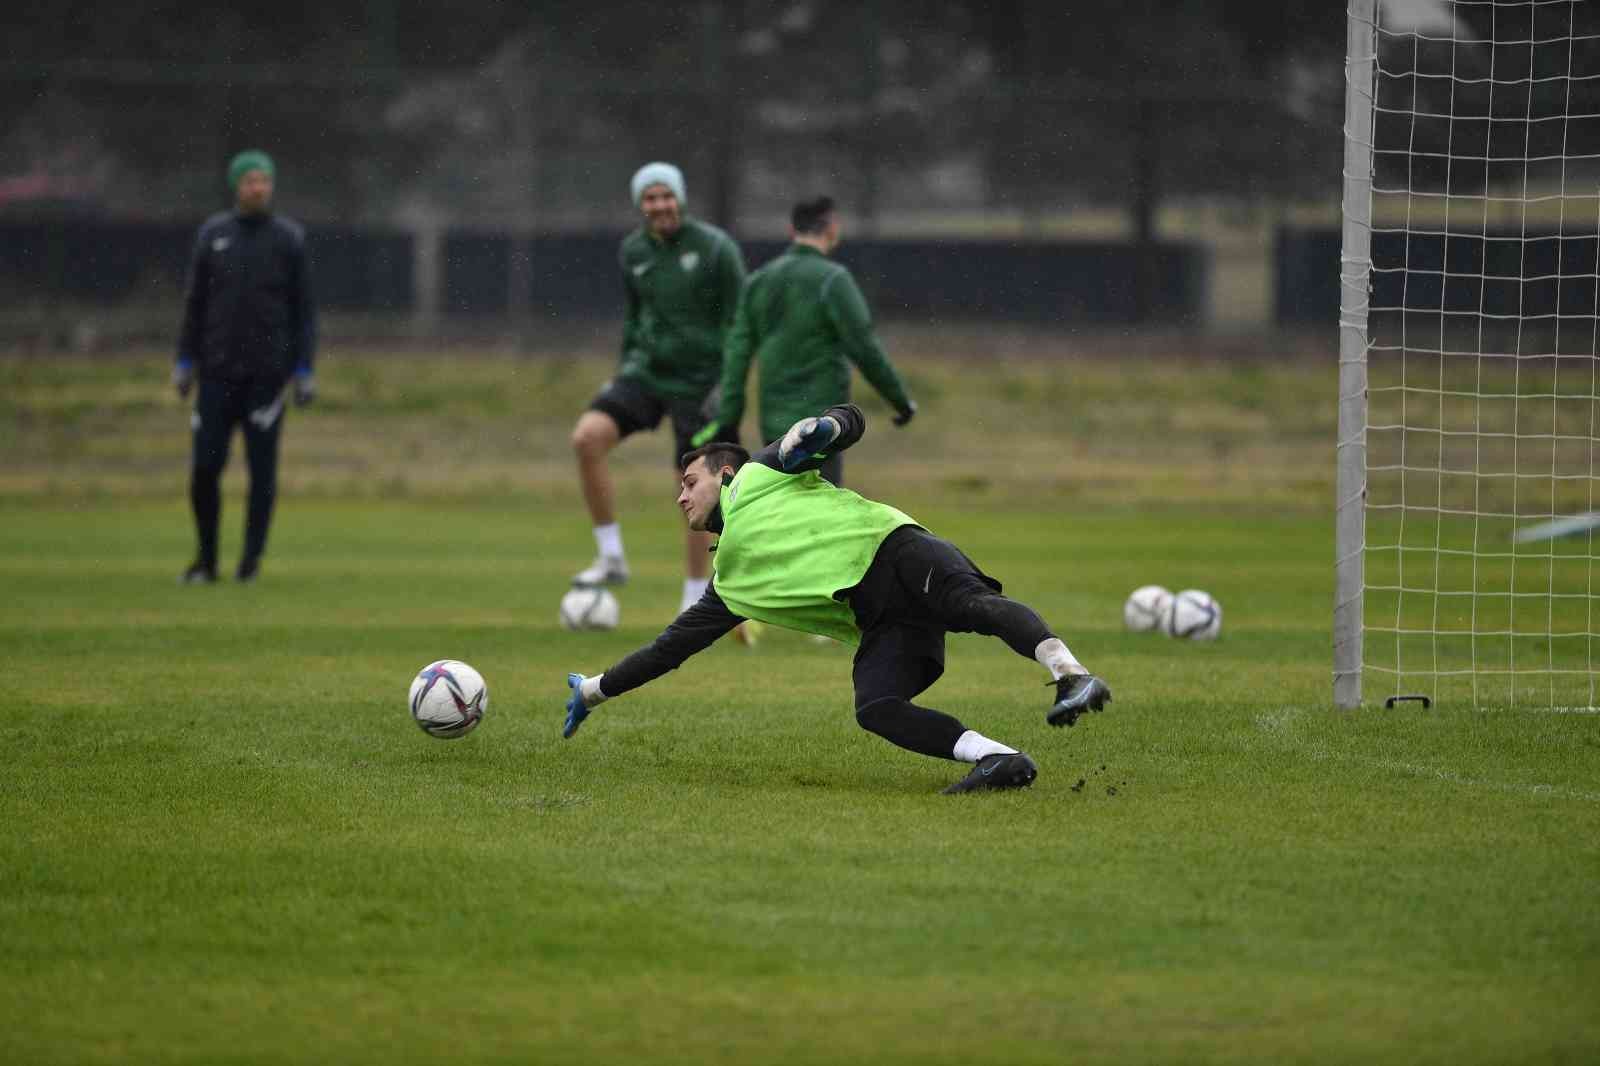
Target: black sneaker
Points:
(248, 567)
(199, 573)
(1075, 694)
(1015, 770)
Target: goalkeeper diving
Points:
(795, 551)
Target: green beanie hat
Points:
(245, 162)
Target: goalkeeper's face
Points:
(701, 491)
(661, 211)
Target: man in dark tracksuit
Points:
(803, 318)
(797, 552)
(249, 325)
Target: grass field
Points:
(227, 843)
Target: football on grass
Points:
(1146, 607)
(1193, 615)
(589, 608)
(448, 699)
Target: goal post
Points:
(1355, 272)
(1466, 514)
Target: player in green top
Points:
(804, 320)
(682, 278)
(798, 552)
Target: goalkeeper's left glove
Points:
(907, 415)
(805, 438)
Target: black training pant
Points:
(918, 588)
(257, 405)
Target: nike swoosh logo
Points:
(989, 771)
(927, 581)
(265, 416)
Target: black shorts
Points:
(634, 406)
(901, 607)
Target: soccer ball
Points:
(448, 699)
(590, 608)
(1145, 608)
(1192, 615)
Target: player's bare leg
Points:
(696, 567)
(593, 438)
(697, 554)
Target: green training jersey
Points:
(682, 293)
(804, 320)
(790, 542)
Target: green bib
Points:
(790, 541)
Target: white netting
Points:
(1481, 352)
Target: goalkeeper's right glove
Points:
(578, 704)
(907, 415)
(577, 711)
(805, 438)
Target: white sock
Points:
(589, 689)
(693, 589)
(608, 538)
(1058, 658)
(971, 746)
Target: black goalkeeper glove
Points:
(908, 414)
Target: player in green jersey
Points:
(682, 278)
(803, 319)
(797, 552)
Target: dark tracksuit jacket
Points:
(803, 318)
(248, 308)
(682, 292)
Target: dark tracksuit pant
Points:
(257, 406)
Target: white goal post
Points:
(1469, 313)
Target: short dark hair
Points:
(811, 216)
(717, 454)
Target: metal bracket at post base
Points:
(1389, 703)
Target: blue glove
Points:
(183, 376)
(305, 386)
(576, 711)
(804, 439)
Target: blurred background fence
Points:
(1150, 161)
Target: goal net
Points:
(1470, 286)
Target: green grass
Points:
(227, 843)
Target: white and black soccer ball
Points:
(448, 699)
(1146, 606)
(1193, 615)
(590, 608)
